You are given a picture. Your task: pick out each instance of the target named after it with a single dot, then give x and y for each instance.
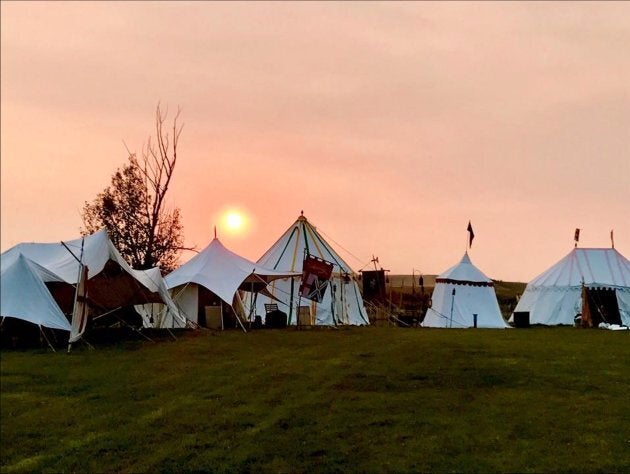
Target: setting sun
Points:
(234, 221)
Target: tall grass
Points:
(361, 399)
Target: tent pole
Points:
(291, 301)
(452, 304)
(237, 299)
(90, 346)
(41, 330)
(135, 329)
(237, 318)
(251, 302)
(342, 284)
(390, 300)
(332, 299)
(79, 278)
(297, 312)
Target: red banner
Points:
(315, 275)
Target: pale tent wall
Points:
(623, 299)
(551, 306)
(555, 296)
(468, 300)
(288, 254)
(23, 295)
(474, 294)
(187, 297)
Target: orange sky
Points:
(390, 124)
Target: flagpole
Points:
(297, 308)
(452, 304)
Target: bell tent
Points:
(213, 277)
(597, 277)
(342, 302)
(461, 292)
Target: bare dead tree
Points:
(133, 208)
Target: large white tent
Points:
(342, 302)
(220, 271)
(555, 296)
(461, 292)
(112, 282)
(24, 295)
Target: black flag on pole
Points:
(576, 237)
(471, 235)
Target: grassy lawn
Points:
(361, 399)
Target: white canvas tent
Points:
(555, 296)
(220, 271)
(461, 292)
(345, 306)
(24, 295)
(112, 282)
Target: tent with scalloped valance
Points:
(460, 293)
(555, 297)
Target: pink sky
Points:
(390, 124)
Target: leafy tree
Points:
(132, 207)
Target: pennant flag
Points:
(315, 275)
(471, 235)
(576, 237)
(612, 239)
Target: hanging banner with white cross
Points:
(315, 275)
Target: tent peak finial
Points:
(301, 218)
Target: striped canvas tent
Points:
(342, 303)
(601, 275)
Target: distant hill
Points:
(508, 293)
(406, 281)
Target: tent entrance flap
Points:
(599, 305)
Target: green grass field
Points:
(349, 400)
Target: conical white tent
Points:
(220, 271)
(461, 292)
(23, 294)
(555, 296)
(345, 306)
